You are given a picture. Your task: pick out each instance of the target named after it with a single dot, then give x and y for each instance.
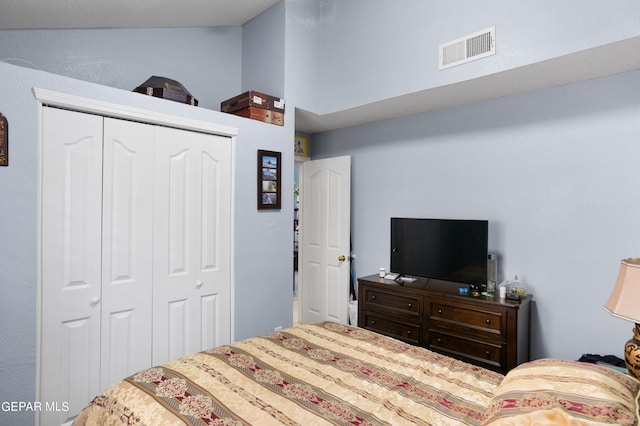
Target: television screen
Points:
(443, 249)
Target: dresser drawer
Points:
(400, 330)
(463, 319)
(387, 301)
(486, 331)
(480, 353)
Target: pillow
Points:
(559, 392)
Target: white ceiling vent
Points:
(468, 48)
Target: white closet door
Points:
(192, 243)
(127, 249)
(71, 208)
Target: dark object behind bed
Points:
(607, 359)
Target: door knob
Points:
(199, 284)
(94, 301)
(341, 258)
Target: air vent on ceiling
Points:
(468, 48)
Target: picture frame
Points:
(301, 146)
(269, 180)
(4, 141)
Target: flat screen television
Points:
(442, 249)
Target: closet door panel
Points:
(181, 214)
(213, 236)
(173, 272)
(210, 326)
(127, 249)
(192, 242)
(179, 322)
(118, 352)
(70, 292)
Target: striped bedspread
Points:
(310, 374)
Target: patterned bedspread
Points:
(310, 374)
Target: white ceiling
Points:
(49, 14)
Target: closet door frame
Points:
(106, 109)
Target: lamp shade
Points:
(624, 301)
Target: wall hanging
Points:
(269, 180)
(4, 141)
(301, 146)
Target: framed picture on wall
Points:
(301, 146)
(269, 180)
(4, 141)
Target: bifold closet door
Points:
(71, 240)
(97, 184)
(192, 243)
(127, 246)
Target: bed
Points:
(332, 374)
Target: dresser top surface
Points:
(438, 287)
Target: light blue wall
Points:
(303, 61)
(373, 50)
(18, 256)
(558, 160)
(207, 61)
(263, 242)
(545, 168)
(263, 50)
(555, 173)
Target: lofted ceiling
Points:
(59, 14)
(66, 14)
(613, 58)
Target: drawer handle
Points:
(488, 321)
(410, 305)
(487, 353)
(373, 322)
(439, 340)
(373, 297)
(439, 311)
(409, 332)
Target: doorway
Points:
(324, 209)
(299, 160)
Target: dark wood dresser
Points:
(483, 330)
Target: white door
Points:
(70, 288)
(126, 249)
(96, 263)
(325, 211)
(97, 243)
(192, 247)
